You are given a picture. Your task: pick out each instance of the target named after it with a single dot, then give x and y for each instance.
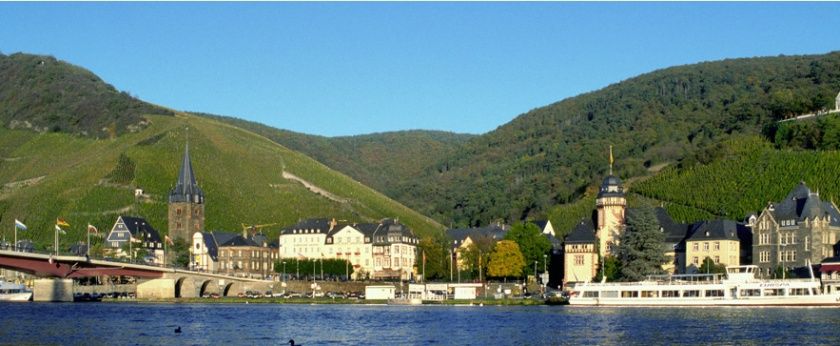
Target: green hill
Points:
(743, 177)
(380, 160)
(551, 155)
(48, 95)
(85, 180)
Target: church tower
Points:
(610, 206)
(186, 203)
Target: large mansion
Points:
(387, 249)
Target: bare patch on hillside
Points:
(16, 185)
(315, 189)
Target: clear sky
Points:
(353, 68)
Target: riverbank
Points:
(325, 300)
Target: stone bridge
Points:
(153, 282)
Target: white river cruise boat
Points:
(739, 287)
(14, 292)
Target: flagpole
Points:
(14, 248)
(88, 239)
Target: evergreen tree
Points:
(640, 250)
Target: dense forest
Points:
(551, 155)
(44, 94)
(554, 154)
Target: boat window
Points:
(714, 293)
(670, 294)
(691, 293)
(799, 291)
(750, 293)
(609, 294)
(769, 292)
(590, 294)
(629, 294)
(650, 294)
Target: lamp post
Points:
(284, 271)
(545, 271)
(535, 271)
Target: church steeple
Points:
(186, 189)
(186, 202)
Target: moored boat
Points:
(739, 287)
(12, 292)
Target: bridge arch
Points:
(185, 287)
(232, 289)
(207, 287)
(179, 284)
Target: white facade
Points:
(201, 259)
(351, 244)
(304, 243)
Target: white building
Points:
(382, 250)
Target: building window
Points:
(807, 244)
(695, 260)
(695, 246)
(178, 211)
(717, 245)
(717, 259)
(706, 246)
(578, 260)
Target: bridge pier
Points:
(156, 289)
(53, 290)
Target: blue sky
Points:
(353, 68)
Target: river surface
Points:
(273, 324)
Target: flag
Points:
(61, 222)
(92, 229)
(611, 156)
(19, 225)
(168, 240)
(59, 230)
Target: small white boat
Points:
(12, 292)
(738, 288)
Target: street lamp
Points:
(535, 271)
(284, 271)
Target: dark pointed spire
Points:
(186, 189)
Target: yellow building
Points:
(717, 240)
(580, 261)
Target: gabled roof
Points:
(611, 187)
(715, 230)
(458, 236)
(801, 203)
(239, 241)
(391, 227)
(141, 229)
(186, 189)
(584, 232)
(674, 232)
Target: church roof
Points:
(322, 225)
(186, 189)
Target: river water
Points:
(274, 324)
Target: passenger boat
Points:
(12, 292)
(739, 287)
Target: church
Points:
(186, 203)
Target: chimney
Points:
(332, 224)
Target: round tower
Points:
(610, 205)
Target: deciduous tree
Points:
(532, 243)
(506, 260)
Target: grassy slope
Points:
(382, 161)
(239, 171)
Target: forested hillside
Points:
(44, 94)
(552, 154)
